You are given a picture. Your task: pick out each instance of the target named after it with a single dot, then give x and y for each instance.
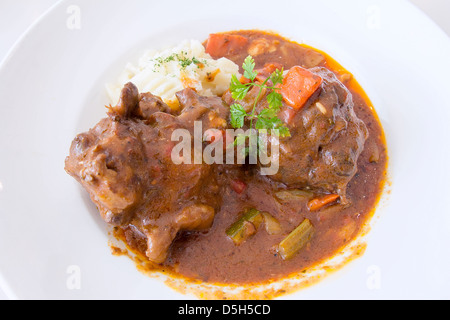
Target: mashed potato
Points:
(166, 72)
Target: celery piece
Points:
(296, 240)
(272, 225)
(245, 227)
(293, 195)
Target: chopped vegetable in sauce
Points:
(245, 227)
(298, 86)
(292, 195)
(272, 225)
(296, 240)
(321, 202)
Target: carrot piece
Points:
(238, 186)
(244, 80)
(319, 203)
(298, 86)
(271, 67)
(220, 44)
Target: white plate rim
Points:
(9, 56)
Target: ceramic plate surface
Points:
(52, 87)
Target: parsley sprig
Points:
(267, 118)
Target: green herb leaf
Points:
(277, 77)
(275, 100)
(249, 66)
(268, 122)
(238, 89)
(182, 59)
(284, 132)
(238, 115)
(267, 118)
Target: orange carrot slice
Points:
(321, 202)
(221, 44)
(298, 86)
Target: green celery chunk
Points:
(296, 240)
(293, 195)
(245, 227)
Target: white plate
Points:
(52, 87)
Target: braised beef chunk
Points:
(100, 161)
(326, 140)
(125, 164)
(150, 104)
(212, 111)
(133, 104)
(128, 102)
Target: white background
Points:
(16, 16)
